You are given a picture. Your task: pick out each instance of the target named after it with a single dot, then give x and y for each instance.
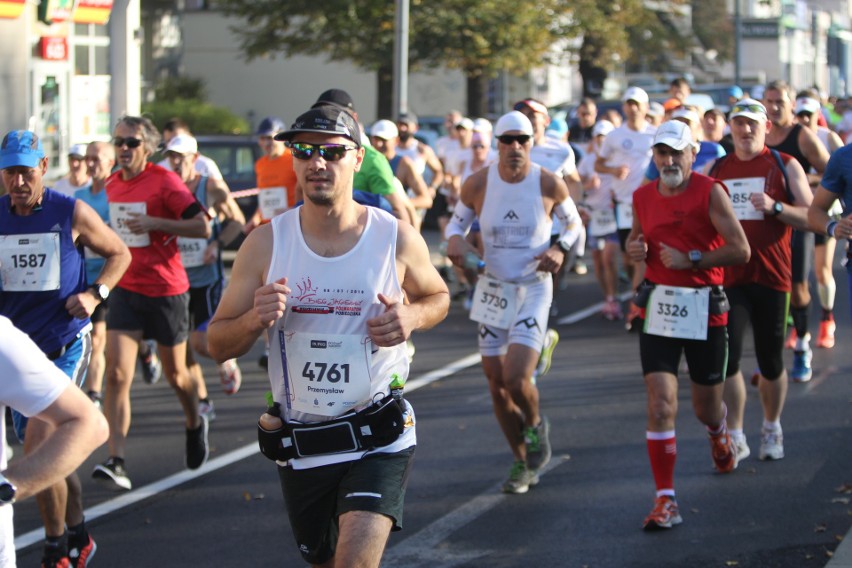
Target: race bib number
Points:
(673, 311)
(495, 303)
(30, 263)
(272, 201)
(329, 374)
(119, 214)
(603, 222)
(741, 191)
(192, 251)
(624, 215)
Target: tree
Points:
(185, 97)
(713, 27)
(478, 37)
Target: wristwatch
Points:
(777, 208)
(562, 247)
(7, 491)
(695, 257)
(101, 291)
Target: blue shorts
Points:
(74, 363)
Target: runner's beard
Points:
(672, 177)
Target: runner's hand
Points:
(392, 327)
(270, 302)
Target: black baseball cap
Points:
(337, 97)
(324, 119)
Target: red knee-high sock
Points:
(662, 449)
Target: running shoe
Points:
(802, 371)
(113, 474)
(537, 442)
(96, 399)
(743, 451)
(612, 310)
(664, 515)
(631, 323)
(80, 556)
(755, 377)
(521, 478)
(551, 338)
(206, 408)
(197, 448)
(580, 268)
(152, 368)
(230, 376)
(54, 561)
(825, 339)
(771, 444)
(724, 452)
(790, 343)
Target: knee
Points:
(661, 409)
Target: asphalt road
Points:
(586, 512)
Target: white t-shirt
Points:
(600, 198)
(626, 147)
(203, 165)
(31, 383)
(554, 155)
(64, 186)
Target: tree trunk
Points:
(477, 95)
(384, 90)
(593, 75)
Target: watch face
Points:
(695, 256)
(777, 207)
(7, 492)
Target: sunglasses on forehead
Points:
(759, 109)
(328, 152)
(508, 139)
(130, 142)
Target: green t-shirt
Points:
(375, 175)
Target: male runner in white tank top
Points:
(514, 200)
(338, 287)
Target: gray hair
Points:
(150, 134)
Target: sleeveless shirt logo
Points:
(511, 216)
(338, 301)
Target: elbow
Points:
(745, 253)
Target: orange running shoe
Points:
(825, 339)
(724, 452)
(664, 515)
(791, 339)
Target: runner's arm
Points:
(249, 306)
(226, 206)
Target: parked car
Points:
(235, 156)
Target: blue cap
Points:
(557, 126)
(735, 92)
(270, 126)
(20, 148)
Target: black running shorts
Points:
(316, 497)
(164, 319)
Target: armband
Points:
(460, 222)
(567, 214)
(830, 227)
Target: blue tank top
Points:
(208, 274)
(394, 162)
(94, 264)
(42, 315)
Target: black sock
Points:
(56, 546)
(827, 315)
(800, 319)
(78, 534)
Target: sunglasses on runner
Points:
(755, 108)
(130, 142)
(508, 139)
(328, 152)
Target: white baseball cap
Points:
(675, 134)
(602, 128)
(807, 104)
(482, 125)
(465, 123)
(686, 113)
(656, 109)
(513, 120)
(182, 144)
(77, 150)
(635, 94)
(749, 108)
(384, 129)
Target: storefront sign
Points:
(53, 48)
(12, 8)
(757, 29)
(92, 11)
